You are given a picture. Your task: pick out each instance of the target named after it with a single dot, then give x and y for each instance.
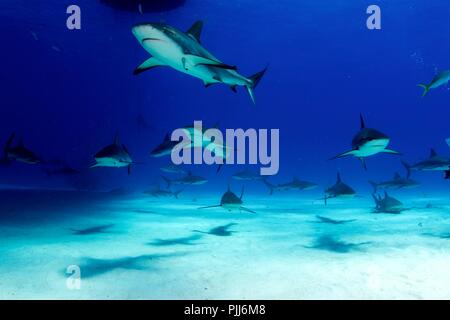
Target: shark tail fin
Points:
(254, 81)
(168, 181)
(269, 185)
(374, 185)
(8, 146)
(426, 89)
(407, 167)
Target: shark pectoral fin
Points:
(391, 151)
(95, 165)
(202, 61)
(147, 65)
(247, 210)
(344, 154)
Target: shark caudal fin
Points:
(7, 147)
(255, 79)
(426, 89)
(407, 167)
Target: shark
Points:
(367, 142)
(183, 51)
(434, 162)
(19, 152)
(161, 193)
(115, 155)
(447, 173)
(231, 202)
(164, 148)
(339, 190)
(397, 182)
(387, 204)
(439, 80)
(291, 185)
(189, 179)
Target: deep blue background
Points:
(325, 68)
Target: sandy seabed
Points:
(138, 247)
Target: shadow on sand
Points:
(330, 243)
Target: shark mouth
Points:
(151, 39)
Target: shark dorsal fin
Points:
(338, 180)
(117, 139)
(361, 120)
(196, 30)
(397, 176)
(433, 153)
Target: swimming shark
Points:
(387, 204)
(397, 182)
(367, 142)
(157, 192)
(294, 184)
(188, 179)
(439, 80)
(18, 153)
(339, 190)
(115, 155)
(434, 162)
(164, 148)
(231, 202)
(183, 51)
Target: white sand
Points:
(267, 258)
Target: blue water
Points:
(68, 93)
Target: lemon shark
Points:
(367, 142)
(231, 202)
(183, 52)
(115, 155)
(440, 80)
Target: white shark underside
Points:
(183, 52)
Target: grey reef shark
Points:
(397, 182)
(231, 202)
(189, 179)
(387, 204)
(18, 153)
(184, 52)
(339, 190)
(367, 142)
(115, 155)
(439, 80)
(434, 162)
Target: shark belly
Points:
(371, 148)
